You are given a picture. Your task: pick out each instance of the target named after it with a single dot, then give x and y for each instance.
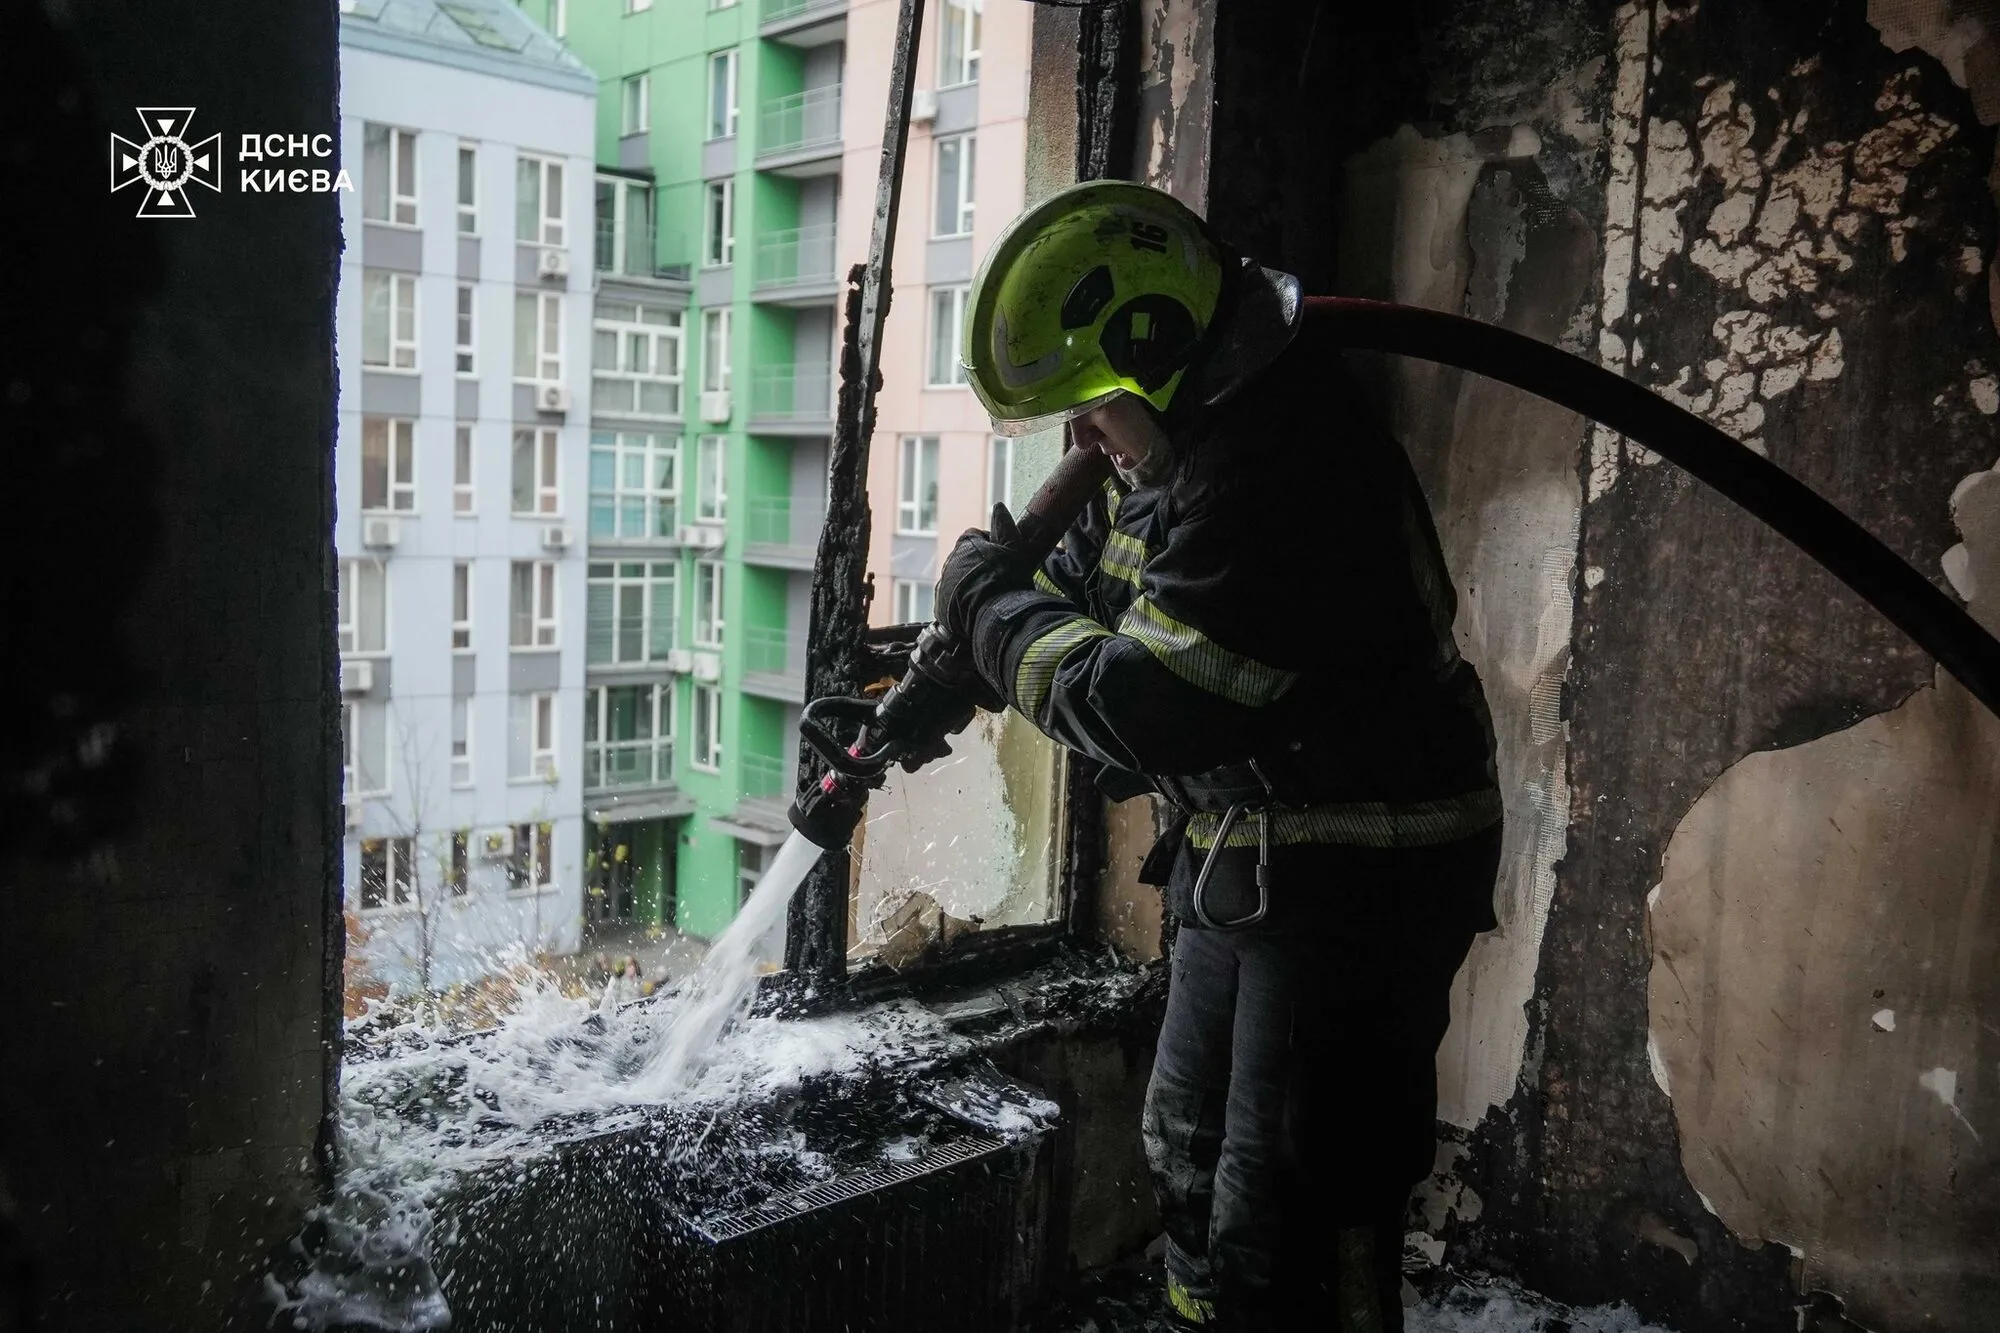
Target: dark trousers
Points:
(1293, 1101)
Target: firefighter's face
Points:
(1129, 437)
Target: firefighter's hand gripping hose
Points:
(939, 690)
(936, 694)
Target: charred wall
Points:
(170, 784)
(1733, 1044)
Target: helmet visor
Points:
(1050, 420)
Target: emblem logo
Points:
(166, 163)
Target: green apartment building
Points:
(719, 152)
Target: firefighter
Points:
(1254, 623)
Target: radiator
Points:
(953, 1240)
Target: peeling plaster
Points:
(1790, 219)
(1802, 886)
(1466, 225)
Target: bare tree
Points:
(409, 812)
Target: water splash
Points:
(723, 987)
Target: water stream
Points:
(422, 1112)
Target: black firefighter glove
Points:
(981, 567)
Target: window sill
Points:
(701, 768)
(392, 513)
(532, 782)
(414, 372)
(916, 532)
(541, 518)
(393, 226)
(972, 82)
(524, 894)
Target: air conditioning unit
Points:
(923, 106)
(496, 843)
(553, 264)
(680, 659)
(556, 539)
(703, 536)
(383, 532)
(552, 398)
(357, 677)
(715, 404)
(708, 666)
(353, 814)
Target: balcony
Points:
(791, 400)
(795, 267)
(774, 665)
(620, 517)
(804, 22)
(608, 765)
(799, 134)
(766, 779)
(783, 533)
(633, 252)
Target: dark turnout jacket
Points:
(1273, 628)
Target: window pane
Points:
(375, 319)
(375, 172)
(524, 336)
(528, 199)
(946, 222)
(467, 161)
(375, 464)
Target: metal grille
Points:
(952, 1240)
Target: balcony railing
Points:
(633, 518)
(791, 393)
(795, 257)
(774, 652)
(785, 9)
(642, 763)
(783, 521)
(765, 778)
(638, 256)
(810, 119)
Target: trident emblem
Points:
(166, 163)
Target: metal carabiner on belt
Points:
(1229, 819)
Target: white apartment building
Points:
(464, 339)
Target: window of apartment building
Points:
(533, 737)
(531, 868)
(915, 600)
(538, 200)
(720, 224)
(628, 733)
(461, 740)
(706, 754)
(752, 860)
(538, 337)
(917, 499)
(707, 604)
(629, 620)
(458, 872)
(636, 104)
(715, 350)
(387, 868)
(954, 185)
(636, 360)
(531, 604)
(722, 94)
(388, 464)
(947, 324)
(364, 750)
(958, 43)
(537, 476)
(1000, 473)
(389, 175)
(388, 320)
(364, 608)
(711, 479)
(461, 469)
(634, 486)
(624, 226)
(468, 189)
(467, 296)
(461, 606)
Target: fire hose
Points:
(934, 696)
